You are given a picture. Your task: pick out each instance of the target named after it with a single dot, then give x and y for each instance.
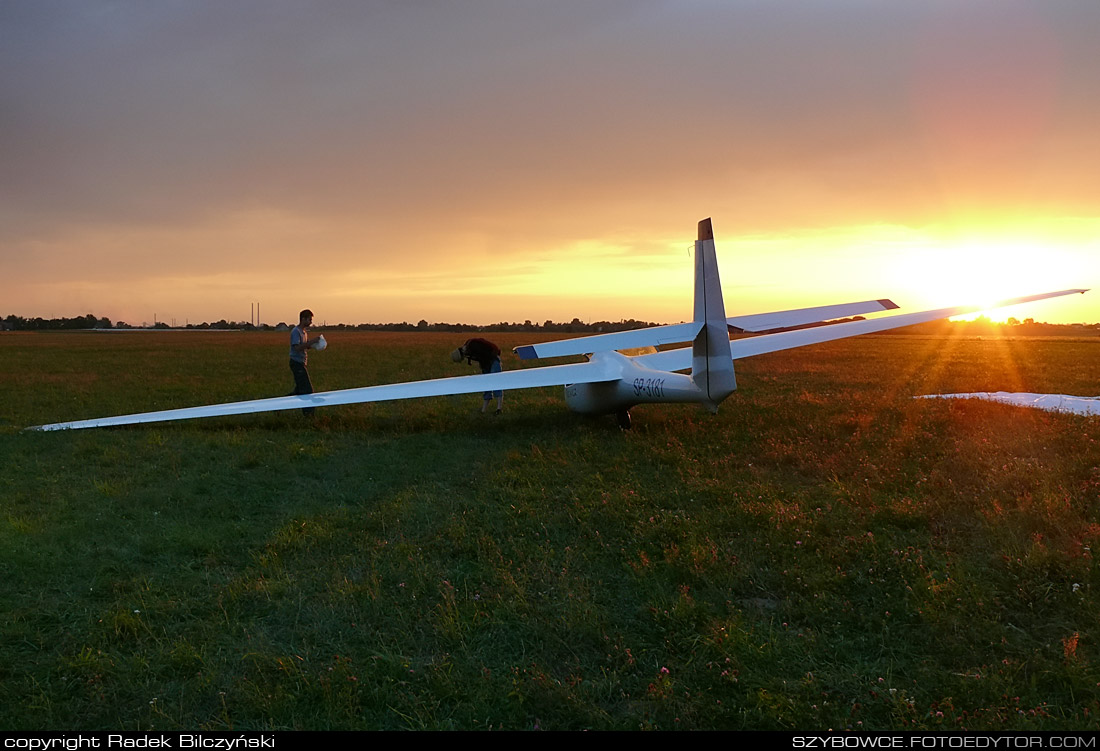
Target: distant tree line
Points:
(978, 327)
(18, 323)
(983, 326)
(573, 327)
(90, 321)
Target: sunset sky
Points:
(503, 160)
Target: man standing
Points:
(300, 344)
(487, 356)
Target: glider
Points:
(609, 381)
(1077, 405)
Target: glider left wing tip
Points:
(705, 230)
(526, 352)
(888, 304)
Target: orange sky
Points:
(486, 161)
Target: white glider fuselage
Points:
(635, 385)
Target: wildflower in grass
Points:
(1069, 646)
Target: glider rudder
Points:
(711, 361)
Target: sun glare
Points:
(982, 273)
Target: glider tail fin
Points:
(711, 360)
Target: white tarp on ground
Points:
(1080, 405)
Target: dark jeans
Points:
(302, 385)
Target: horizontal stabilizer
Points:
(556, 375)
(803, 316)
(583, 345)
(680, 359)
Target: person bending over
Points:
(487, 355)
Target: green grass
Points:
(826, 552)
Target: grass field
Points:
(826, 552)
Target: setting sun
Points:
(982, 274)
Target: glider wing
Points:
(655, 336)
(680, 359)
(803, 316)
(554, 375)
(583, 345)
